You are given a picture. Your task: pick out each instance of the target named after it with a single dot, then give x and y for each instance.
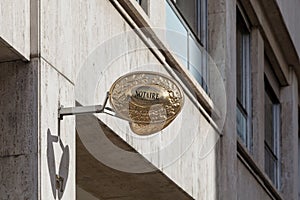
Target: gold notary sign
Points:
(150, 101)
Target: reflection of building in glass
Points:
(236, 136)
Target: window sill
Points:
(246, 158)
(138, 19)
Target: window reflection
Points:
(185, 44)
(177, 42)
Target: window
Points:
(189, 19)
(243, 80)
(272, 132)
(194, 13)
(144, 5)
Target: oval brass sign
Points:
(150, 101)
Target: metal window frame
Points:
(201, 23)
(144, 4)
(276, 111)
(200, 39)
(245, 107)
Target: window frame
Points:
(202, 21)
(194, 39)
(144, 5)
(245, 108)
(271, 89)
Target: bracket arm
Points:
(78, 110)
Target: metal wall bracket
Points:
(80, 110)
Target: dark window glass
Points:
(190, 11)
(194, 13)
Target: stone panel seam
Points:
(59, 72)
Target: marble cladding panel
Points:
(15, 26)
(57, 140)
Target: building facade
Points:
(236, 136)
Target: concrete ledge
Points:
(104, 182)
(257, 172)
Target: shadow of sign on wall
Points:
(58, 178)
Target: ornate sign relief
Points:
(150, 101)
